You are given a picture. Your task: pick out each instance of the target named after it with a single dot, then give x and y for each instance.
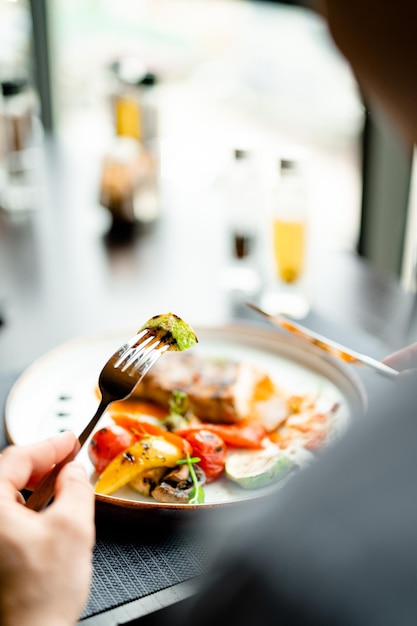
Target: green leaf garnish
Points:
(178, 403)
(178, 406)
(197, 493)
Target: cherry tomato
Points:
(211, 449)
(106, 443)
(240, 435)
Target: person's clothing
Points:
(337, 545)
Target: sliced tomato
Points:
(242, 435)
(106, 443)
(139, 428)
(211, 449)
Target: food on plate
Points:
(252, 470)
(196, 419)
(218, 390)
(148, 480)
(308, 428)
(178, 486)
(244, 434)
(210, 449)
(147, 453)
(179, 331)
(106, 443)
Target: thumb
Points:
(403, 359)
(73, 492)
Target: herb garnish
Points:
(197, 493)
(178, 403)
(178, 406)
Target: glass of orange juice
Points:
(289, 243)
(288, 236)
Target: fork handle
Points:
(104, 403)
(43, 494)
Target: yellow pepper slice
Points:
(151, 451)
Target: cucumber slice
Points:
(258, 468)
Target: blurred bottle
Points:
(288, 289)
(134, 101)
(243, 198)
(21, 139)
(243, 203)
(289, 223)
(128, 186)
(3, 166)
(130, 173)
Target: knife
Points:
(327, 345)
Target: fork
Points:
(118, 378)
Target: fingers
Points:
(74, 495)
(23, 466)
(403, 359)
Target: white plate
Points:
(58, 392)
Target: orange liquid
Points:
(128, 123)
(289, 249)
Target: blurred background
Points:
(228, 71)
(210, 78)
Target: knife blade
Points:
(327, 345)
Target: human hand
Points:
(46, 557)
(403, 359)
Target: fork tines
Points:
(145, 347)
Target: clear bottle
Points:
(287, 292)
(135, 114)
(128, 186)
(243, 203)
(21, 127)
(243, 276)
(19, 106)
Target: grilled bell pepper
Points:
(149, 452)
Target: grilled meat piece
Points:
(219, 391)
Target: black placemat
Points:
(133, 557)
(140, 564)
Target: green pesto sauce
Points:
(182, 332)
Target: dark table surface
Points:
(63, 274)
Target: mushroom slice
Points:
(177, 485)
(146, 481)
